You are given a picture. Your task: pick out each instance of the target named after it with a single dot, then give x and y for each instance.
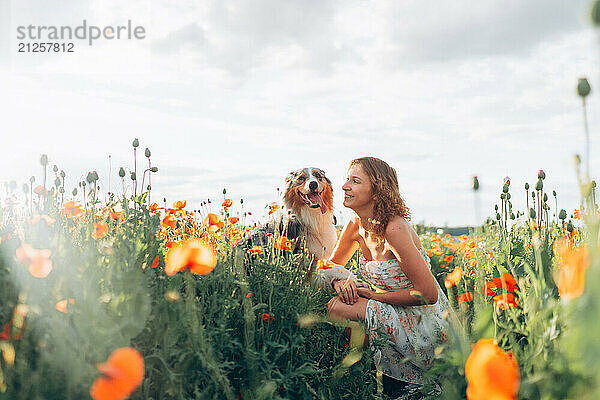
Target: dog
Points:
(306, 216)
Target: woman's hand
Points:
(346, 290)
(365, 292)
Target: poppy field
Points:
(117, 297)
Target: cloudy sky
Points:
(236, 94)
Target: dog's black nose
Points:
(313, 186)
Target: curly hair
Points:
(384, 184)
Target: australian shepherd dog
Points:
(306, 216)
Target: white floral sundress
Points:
(415, 330)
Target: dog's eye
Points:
(301, 179)
(317, 175)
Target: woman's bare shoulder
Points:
(399, 228)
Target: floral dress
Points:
(415, 330)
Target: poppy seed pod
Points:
(57, 182)
(498, 216)
(62, 174)
(44, 160)
(502, 196)
(148, 188)
(55, 168)
(147, 152)
(526, 186)
(505, 188)
(533, 195)
(583, 87)
(224, 191)
(531, 213)
(507, 196)
(539, 185)
(241, 201)
(475, 183)
(82, 183)
(496, 207)
(136, 142)
(570, 227)
(554, 193)
(512, 216)
(541, 174)
(122, 172)
(562, 214)
(545, 197)
(74, 192)
(133, 176)
(154, 169)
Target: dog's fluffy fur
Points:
(307, 214)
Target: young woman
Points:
(407, 303)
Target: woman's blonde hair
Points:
(384, 184)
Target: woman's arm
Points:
(346, 244)
(398, 236)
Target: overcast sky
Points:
(236, 94)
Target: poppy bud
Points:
(539, 185)
(502, 196)
(133, 176)
(533, 195)
(475, 183)
(593, 184)
(545, 197)
(224, 191)
(55, 168)
(498, 216)
(583, 87)
(577, 160)
(241, 201)
(562, 214)
(505, 188)
(147, 152)
(74, 192)
(32, 179)
(512, 216)
(57, 182)
(135, 143)
(62, 174)
(531, 213)
(61, 190)
(149, 188)
(526, 186)
(44, 160)
(121, 172)
(507, 196)
(82, 183)
(154, 169)
(570, 227)
(496, 207)
(541, 174)
(554, 193)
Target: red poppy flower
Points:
(122, 373)
(464, 297)
(506, 281)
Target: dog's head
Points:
(308, 187)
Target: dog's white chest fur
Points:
(320, 231)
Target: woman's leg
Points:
(341, 311)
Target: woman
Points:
(408, 303)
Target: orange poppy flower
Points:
(179, 205)
(169, 222)
(507, 281)
(471, 244)
(273, 207)
(38, 261)
(572, 266)
(117, 215)
(233, 220)
(71, 209)
(464, 297)
(155, 262)
(227, 203)
(463, 238)
(283, 243)
(442, 265)
(576, 214)
(490, 255)
(453, 277)
(100, 230)
(505, 300)
(488, 288)
(62, 305)
(449, 258)
(39, 190)
(324, 264)
(492, 373)
(122, 373)
(429, 253)
(194, 254)
(255, 250)
(154, 208)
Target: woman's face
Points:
(357, 189)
